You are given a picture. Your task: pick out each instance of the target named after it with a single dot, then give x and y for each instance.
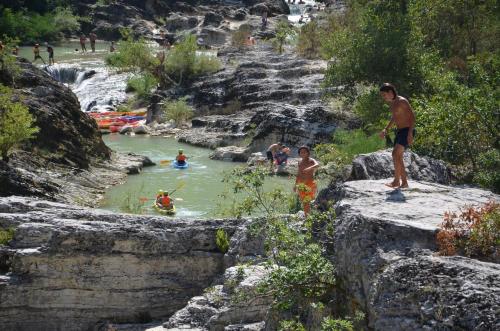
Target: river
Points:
(100, 89)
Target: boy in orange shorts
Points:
(305, 185)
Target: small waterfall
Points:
(97, 90)
(65, 74)
(297, 9)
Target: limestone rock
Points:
(69, 268)
(383, 253)
(379, 165)
(230, 153)
(223, 306)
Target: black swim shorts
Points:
(269, 155)
(402, 136)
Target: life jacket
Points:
(165, 201)
(181, 157)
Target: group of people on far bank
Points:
(403, 118)
(50, 49)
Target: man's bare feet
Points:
(393, 184)
(404, 185)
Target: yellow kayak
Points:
(164, 211)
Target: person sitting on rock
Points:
(112, 47)
(181, 158)
(301, 19)
(271, 152)
(282, 156)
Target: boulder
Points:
(230, 153)
(384, 248)
(178, 22)
(379, 165)
(71, 268)
(222, 307)
(213, 19)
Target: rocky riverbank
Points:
(75, 268)
(67, 160)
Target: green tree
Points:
(16, 123)
(284, 31)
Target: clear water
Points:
(199, 185)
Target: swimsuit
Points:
(307, 193)
(402, 136)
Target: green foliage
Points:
(142, 85)
(9, 69)
(488, 174)
(475, 232)
(222, 240)
(441, 54)
(6, 235)
(345, 146)
(291, 325)
(178, 110)
(331, 324)
(31, 27)
(16, 123)
(308, 42)
(179, 66)
(183, 64)
(372, 110)
(239, 37)
(284, 31)
(249, 195)
(133, 56)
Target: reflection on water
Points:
(200, 184)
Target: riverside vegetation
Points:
(301, 278)
(442, 54)
(36, 21)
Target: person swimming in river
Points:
(181, 158)
(163, 200)
(404, 119)
(305, 185)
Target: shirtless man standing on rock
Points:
(404, 118)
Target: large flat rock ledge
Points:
(68, 268)
(385, 255)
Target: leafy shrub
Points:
(372, 110)
(475, 232)
(346, 145)
(179, 66)
(222, 240)
(6, 235)
(239, 37)
(488, 174)
(331, 324)
(178, 110)
(283, 32)
(16, 123)
(31, 27)
(291, 325)
(308, 42)
(142, 85)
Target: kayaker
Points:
(181, 158)
(163, 200)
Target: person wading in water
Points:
(404, 119)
